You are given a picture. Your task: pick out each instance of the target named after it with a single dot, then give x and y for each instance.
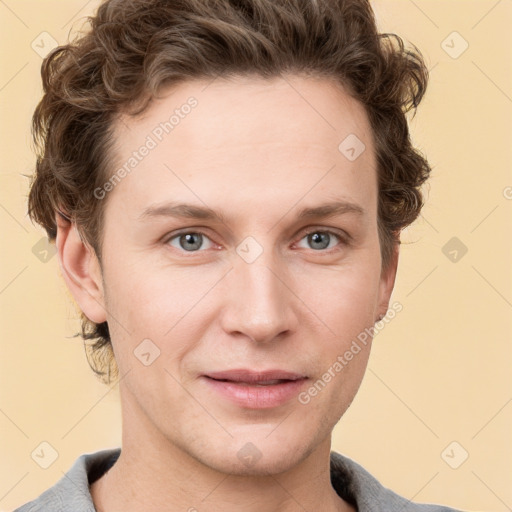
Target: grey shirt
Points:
(352, 482)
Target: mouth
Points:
(256, 390)
(264, 377)
(256, 384)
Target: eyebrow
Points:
(190, 211)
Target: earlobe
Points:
(81, 270)
(387, 283)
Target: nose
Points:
(258, 303)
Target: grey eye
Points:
(189, 242)
(319, 240)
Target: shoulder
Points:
(352, 480)
(71, 492)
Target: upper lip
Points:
(243, 375)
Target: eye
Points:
(189, 241)
(322, 239)
(195, 241)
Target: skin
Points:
(257, 151)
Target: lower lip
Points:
(257, 397)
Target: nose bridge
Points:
(258, 304)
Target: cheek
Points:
(345, 301)
(151, 302)
(344, 298)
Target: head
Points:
(257, 113)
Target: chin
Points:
(256, 457)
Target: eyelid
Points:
(327, 229)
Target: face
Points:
(274, 265)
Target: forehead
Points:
(256, 139)
(251, 108)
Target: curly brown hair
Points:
(133, 48)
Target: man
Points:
(226, 183)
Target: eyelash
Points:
(343, 239)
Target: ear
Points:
(387, 283)
(81, 270)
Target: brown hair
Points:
(133, 48)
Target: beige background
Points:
(440, 371)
